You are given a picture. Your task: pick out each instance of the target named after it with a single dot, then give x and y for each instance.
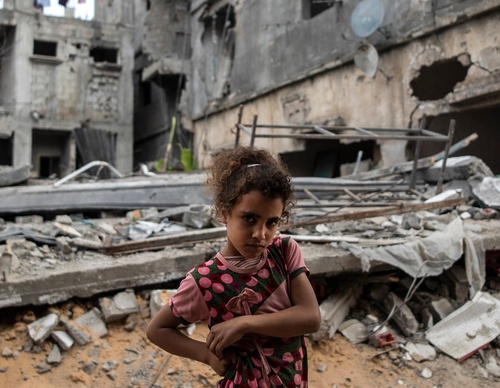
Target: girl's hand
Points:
(221, 365)
(223, 335)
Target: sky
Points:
(82, 11)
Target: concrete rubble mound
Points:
(405, 274)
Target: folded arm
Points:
(163, 332)
(302, 318)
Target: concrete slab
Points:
(97, 273)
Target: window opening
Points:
(102, 54)
(49, 166)
(437, 80)
(6, 151)
(41, 47)
(146, 93)
(312, 8)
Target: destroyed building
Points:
(301, 62)
(66, 82)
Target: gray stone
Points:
(34, 219)
(63, 219)
(411, 221)
(158, 299)
(403, 317)
(63, 339)
(353, 330)
(441, 308)
(7, 352)
(458, 283)
(63, 245)
(421, 352)
(109, 365)
(120, 306)
(334, 310)
(198, 216)
(426, 373)
(41, 328)
(77, 333)
(92, 320)
(459, 167)
(43, 367)
(55, 356)
(488, 192)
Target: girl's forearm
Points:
(175, 342)
(291, 322)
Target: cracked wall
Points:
(62, 72)
(433, 58)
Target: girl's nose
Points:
(259, 233)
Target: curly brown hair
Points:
(239, 170)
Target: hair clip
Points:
(253, 165)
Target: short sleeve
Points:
(295, 260)
(188, 304)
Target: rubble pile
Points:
(412, 281)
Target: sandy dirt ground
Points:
(125, 358)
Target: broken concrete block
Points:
(458, 284)
(403, 317)
(158, 299)
(139, 214)
(121, 305)
(67, 230)
(460, 167)
(198, 216)
(63, 339)
(353, 330)
(488, 192)
(106, 228)
(77, 333)
(334, 310)
(63, 245)
(411, 221)
(7, 352)
(92, 320)
(34, 219)
(441, 308)
(468, 328)
(55, 356)
(40, 329)
(421, 352)
(88, 243)
(63, 219)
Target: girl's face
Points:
(252, 224)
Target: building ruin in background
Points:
(59, 74)
(148, 78)
(292, 63)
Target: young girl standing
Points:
(254, 294)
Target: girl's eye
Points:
(248, 219)
(272, 223)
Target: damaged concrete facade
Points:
(292, 63)
(59, 74)
(163, 51)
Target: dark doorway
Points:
(484, 122)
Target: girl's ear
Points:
(223, 218)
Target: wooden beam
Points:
(155, 243)
(402, 209)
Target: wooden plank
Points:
(156, 243)
(402, 209)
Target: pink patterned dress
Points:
(219, 290)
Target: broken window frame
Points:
(321, 132)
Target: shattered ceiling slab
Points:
(469, 328)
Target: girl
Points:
(254, 294)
